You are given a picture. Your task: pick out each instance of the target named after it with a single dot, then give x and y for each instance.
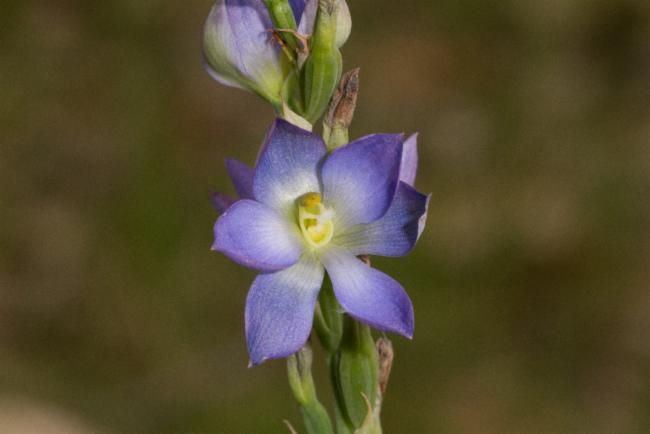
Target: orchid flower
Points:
(303, 211)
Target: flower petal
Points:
(409, 166)
(396, 233)
(369, 295)
(308, 17)
(287, 166)
(242, 177)
(254, 235)
(280, 310)
(297, 6)
(221, 201)
(360, 179)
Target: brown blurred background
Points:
(530, 284)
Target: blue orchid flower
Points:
(303, 211)
(240, 51)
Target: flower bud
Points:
(342, 16)
(356, 372)
(240, 51)
(322, 69)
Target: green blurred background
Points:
(530, 284)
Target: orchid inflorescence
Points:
(314, 209)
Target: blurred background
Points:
(530, 284)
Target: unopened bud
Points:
(322, 69)
(343, 21)
(356, 372)
(240, 51)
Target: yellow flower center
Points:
(315, 220)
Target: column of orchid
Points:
(314, 208)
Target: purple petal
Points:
(227, 78)
(280, 310)
(409, 166)
(221, 201)
(297, 6)
(396, 233)
(287, 166)
(254, 235)
(360, 179)
(242, 178)
(369, 295)
(308, 17)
